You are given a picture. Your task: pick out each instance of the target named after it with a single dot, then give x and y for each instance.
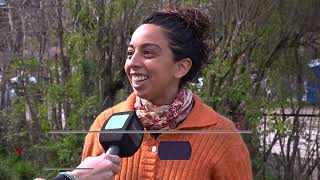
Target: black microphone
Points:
(121, 144)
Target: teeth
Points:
(139, 77)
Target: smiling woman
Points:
(150, 67)
(166, 51)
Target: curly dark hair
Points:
(187, 31)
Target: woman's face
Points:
(150, 67)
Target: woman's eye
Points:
(148, 54)
(129, 54)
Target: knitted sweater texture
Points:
(218, 156)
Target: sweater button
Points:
(154, 149)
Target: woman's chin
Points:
(141, 94)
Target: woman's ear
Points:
(183, 67)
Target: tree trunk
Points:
(65, 65)
(104, 46)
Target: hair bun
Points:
(195, 19)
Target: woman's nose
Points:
(136, 59)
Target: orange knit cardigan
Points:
(218, 156)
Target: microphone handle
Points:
(113, 150)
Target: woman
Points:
(166, 52)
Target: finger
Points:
(115, 169)
(109, 175)
(115, 163)
(115, 159)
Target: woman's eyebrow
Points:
(148, 45)
(151, 45)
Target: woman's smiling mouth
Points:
(139, 78)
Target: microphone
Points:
(121, 144)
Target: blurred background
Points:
(61, 64)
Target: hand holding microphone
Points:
(104, 167)
(116, 145)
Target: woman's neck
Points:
(167, 100)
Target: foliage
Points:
(13, 167)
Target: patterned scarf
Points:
(167, 116)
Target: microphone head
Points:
(128, 143)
